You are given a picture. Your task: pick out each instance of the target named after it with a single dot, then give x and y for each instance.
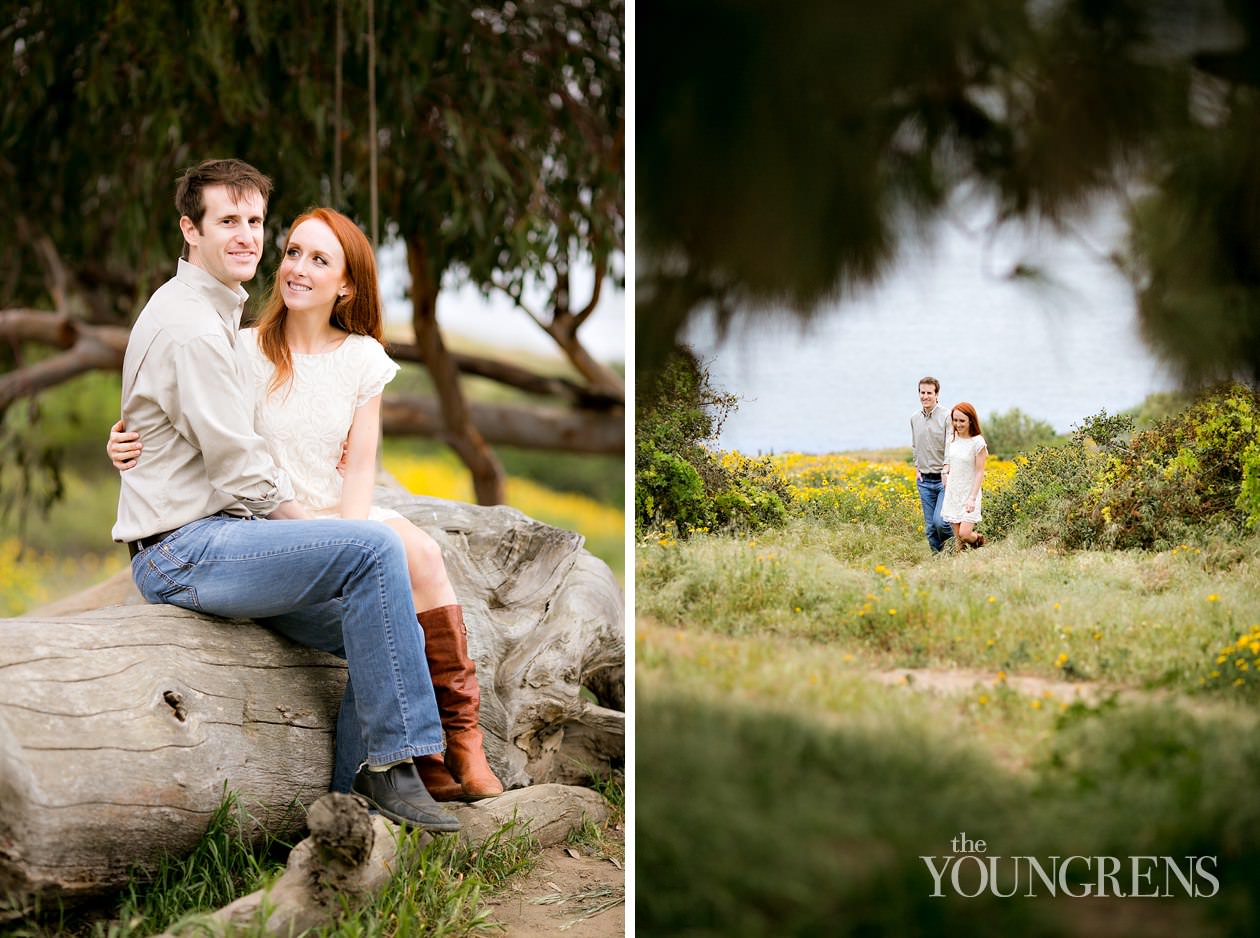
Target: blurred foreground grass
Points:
(786, 788)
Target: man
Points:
(927, 438)
(192, 511)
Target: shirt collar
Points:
(228, 303)
(929, 413)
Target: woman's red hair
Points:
(359, 313)
(973, 419)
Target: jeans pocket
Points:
(159, 581)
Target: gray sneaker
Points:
(399, 794)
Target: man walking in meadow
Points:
(928, 427)
(212, 524)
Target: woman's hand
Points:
(123, 448)
(970, 506)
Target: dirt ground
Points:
(572, 892)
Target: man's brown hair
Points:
(928, 379)
(238, 176)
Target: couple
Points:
(228, 512)
(949, 456)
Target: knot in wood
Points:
(341, 828)
(175, 701)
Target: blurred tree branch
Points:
(786, 155)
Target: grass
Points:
(437, 890)
(1136, 618)
(760, 821)
(790, 779)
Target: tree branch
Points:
(514, 376)
(581, 317)
(87, 347)
(87, 354)
(528, 426)
(520, 304)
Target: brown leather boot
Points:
(459, 700)
(437, 779)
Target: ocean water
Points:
(1060, 346)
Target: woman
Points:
(964, 474)
(319, 370)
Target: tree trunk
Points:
(461, 435)
(120, 727)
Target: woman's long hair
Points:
(973, 419)
(358, 313)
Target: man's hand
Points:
(123, 448)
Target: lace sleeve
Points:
(378, 369)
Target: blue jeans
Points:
(340, 586)
(932, 500)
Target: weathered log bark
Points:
(120, 727)
(351, 856)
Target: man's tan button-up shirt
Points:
(189, 395)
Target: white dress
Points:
(305, 423)
(960, 457)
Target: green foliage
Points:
(1186, 473)
(1014, 432)
(1111, 487)
(1041, 501)
(498, 133)
(1236, 667)
(439, 885)
(66, 424)
(1160, 406)
(679, 482)
(667, 488)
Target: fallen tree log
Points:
(350, 856)
(121, 726)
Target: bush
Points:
(1196, 471)
(679, 482)
(1041, 501)
(1192, 471)
(1015, 432)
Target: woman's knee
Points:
(424, 556)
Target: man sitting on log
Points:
(195, 513)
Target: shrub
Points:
(1237, 665)
(1016, 432)
(1039, 501)
(679, 481)
(1194, 470)
(1198, 470)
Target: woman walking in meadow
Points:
(319, 368)
(964, 474)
